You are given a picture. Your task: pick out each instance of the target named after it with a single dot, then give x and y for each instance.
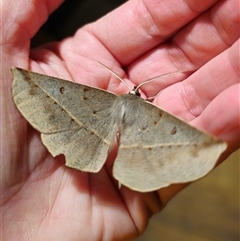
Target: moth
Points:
(155, 148)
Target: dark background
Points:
(207, 210)
(70, 16)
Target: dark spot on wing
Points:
(85, 98)
(155, 122)
(94, 112)
(174, 130)
(33, 89)
(160, 114)
(27, 78)
(149, 148)
(62, 90)
(52, 118)
(144, 128)
(85, 89)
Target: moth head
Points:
(135, 91)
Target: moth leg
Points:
(118, 137)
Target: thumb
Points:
(20, 20)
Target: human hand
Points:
(44, 199)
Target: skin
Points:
(40, 197)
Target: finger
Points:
(221, 117)
(138, 26)
(193, 46)
(25, 23)
(188, 99)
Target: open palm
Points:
(41, 198)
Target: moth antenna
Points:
(159, 76)
(153, 97)
(113, 73)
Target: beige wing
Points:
(73, 119)
(156, 149)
